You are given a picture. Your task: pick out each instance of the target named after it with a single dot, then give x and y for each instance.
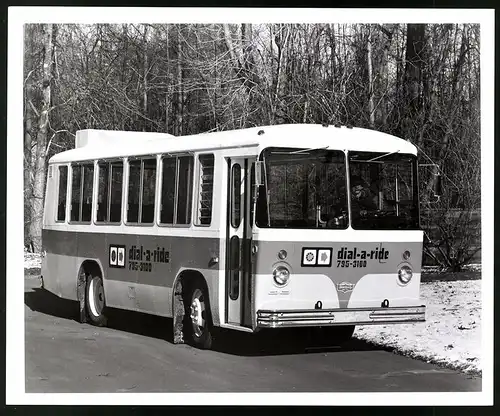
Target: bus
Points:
(286, 226)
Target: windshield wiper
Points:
(380, 157)
(309, 150)
(375, 158)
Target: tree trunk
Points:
(180, 95)
(281, 40)
(41, 144)
(371, 107)
(145, 80)
(28, 131)
(415, 44)
(383, 69)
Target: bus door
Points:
(239, 234)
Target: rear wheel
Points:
(198, 320)
(95, 301)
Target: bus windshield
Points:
(304, 188)
(384, 192)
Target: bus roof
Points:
(100, 144)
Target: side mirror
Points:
(260, 173)
(438, 186)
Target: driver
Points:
(363, 197)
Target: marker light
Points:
(406, 255)
(282, 254)
(281, 275)
(405, 274)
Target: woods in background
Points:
(416, 81)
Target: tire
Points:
(197, 317)
(95, 301)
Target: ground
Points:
(136, 353)
(451, 335)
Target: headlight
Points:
(406, 255)
(405, 274)
(281, 275)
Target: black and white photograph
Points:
(250, 201)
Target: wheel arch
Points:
(87, 266)
(178, 289)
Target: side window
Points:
(61, 199)
(76, 185)
(236, 196)
(205, 191)
(87, 191)
(134, 190)
(168, 191)
(82, 185)
(103, 192)
(184, 189)
(109, 201)
(115, 203)
(148, 191)
(141, 191)
(176, 190)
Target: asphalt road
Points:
(135, 353)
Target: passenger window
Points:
(184, 189)
(103, 192)
(141, 191)
(82, 184)
(206, 184)
(110, 191)
(168, 191)
(115, 207)
(176, 194)
(61, 199)
(148, 191)
(88, 187)
(76, 184)
(134, 189)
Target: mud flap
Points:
(178, 313)
(80, 292)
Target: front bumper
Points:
(348, 316)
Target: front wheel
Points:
(198, 321)
(95, 300)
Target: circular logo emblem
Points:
(113, 256)
(310, 257)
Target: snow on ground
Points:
(32, 261)
(451, 335)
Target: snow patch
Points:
(32, 260)
(451, 335)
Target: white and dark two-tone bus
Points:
(267, 227)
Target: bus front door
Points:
(238, 245)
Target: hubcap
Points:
(96, 296)
(198, 312)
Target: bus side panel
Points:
(60, 265)
(138, 270)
